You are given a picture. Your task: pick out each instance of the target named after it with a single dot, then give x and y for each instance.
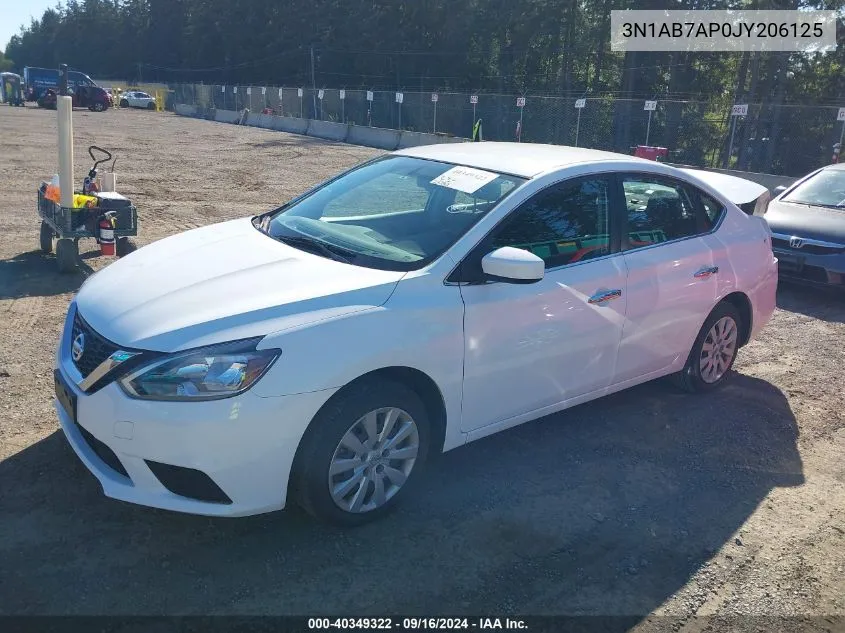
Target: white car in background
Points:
(137, 99)
(321, 352)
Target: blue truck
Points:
(39, 80)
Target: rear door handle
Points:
(605, 295)
(706, 272)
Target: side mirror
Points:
(513, 265)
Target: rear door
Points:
(671, 273)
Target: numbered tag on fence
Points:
(520, 102)
(580, 103)
(249, 90)
(299, 92)
(841, 115)
(473, 99)
(434, 97)
(342, 94)
(400, 97)
(280, 93)
(223, 89)
(369, 95)
(321, 93)
(740, 110)
(650, 106)
(264, 90)
(235, 89)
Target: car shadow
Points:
(607, 509)
(826, 304)
(34, 274)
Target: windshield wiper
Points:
(316, 246)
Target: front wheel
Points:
(124, 103)
(98, 107)
(714, 351)
(361, 452)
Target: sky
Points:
(14, 13)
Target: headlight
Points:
(206, 373)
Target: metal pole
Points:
(473, 116)
(343, 110)
(400, 115)
(434, 125)
(842, 136)
(313, 82)
(577, 127)
(731, 146)
(520, 124)
(648, 128)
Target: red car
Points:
(94, 98)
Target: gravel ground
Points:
(648, 503)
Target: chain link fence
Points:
(780, 139)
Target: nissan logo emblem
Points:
(796, 242)
(78, 347)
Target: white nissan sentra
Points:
(321, 352)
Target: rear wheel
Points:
(714, 351)
(151, 106)
(124, 246)
(99, 106)
(67, 255)
(361, 452)
(124, 103)
(46, 238)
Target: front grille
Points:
(809, 249)
(107, 455)
(96, 349)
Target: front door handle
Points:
(706, 272)
(603, 296)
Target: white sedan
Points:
(137, 99)
(321, 352)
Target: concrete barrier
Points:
(415, 139)
(381, 138)
(257, 119)
(770, 181)
(328, 130)
(291, 124)
(184, 109)
(227, 116)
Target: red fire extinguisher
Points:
(106, 238)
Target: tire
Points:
(67, 255)
(124, 103)
(124, 246)
(696, 375)
(151, 106)
(323, 445)
(98, 106)
(46, 238)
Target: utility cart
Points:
(113, 220)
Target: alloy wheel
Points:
(718, 350)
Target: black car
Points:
(808, 228)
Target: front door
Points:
(529, 347)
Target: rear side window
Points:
(713, 210)
(659, 210)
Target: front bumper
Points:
(811, 268)
(245, 445)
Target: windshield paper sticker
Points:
(464, 179)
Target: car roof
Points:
(520, 159)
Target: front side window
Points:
(564, 224)
(658, 211)
(824, 189)
(395, 213)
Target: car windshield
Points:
(394, 213)
(825, 189)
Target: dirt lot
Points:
(646, 503)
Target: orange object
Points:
(52, 193)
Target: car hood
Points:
(802, 220)
(220, 283)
